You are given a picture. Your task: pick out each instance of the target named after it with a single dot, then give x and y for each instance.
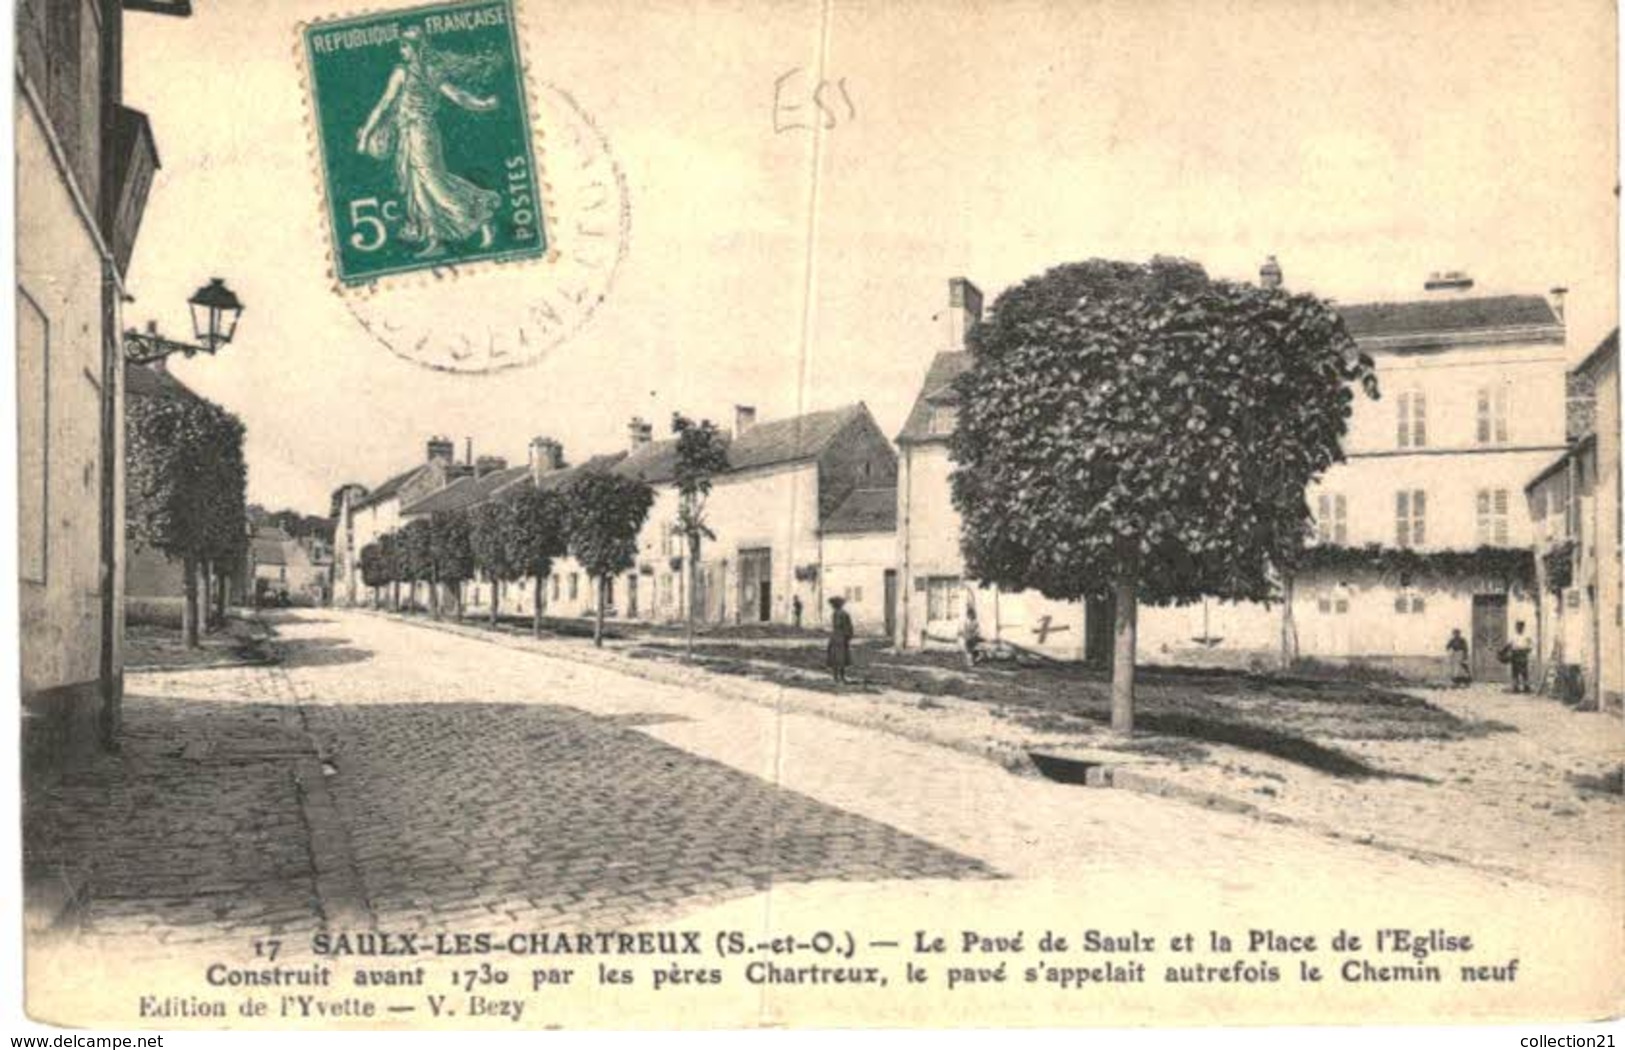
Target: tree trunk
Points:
(496, 594)
(189, 601)
(536, 609)
(1127, 599)
(434, 598)
(222, 587)
(205, 588)
(598, 621)
(1289, 623)
(693, 568)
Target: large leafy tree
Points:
(390, 565)
(416, 554)
(490, 535)
(373, 571)
(451, 556)
(537, 537)
(1140, 432)
(702, 454)
(603, 515)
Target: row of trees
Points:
(186, 495)
(596, 518)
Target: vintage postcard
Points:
(538, 514)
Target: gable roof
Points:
(864, 510)
(1425, 317)
(466, 491)
(388, 488)
(945, 368)
(269, 549)
(1609, 347)
(146, 381)
(767, 444)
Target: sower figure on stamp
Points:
(439, 206)
(840, 639)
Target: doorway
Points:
(891, 603)
(1489, 634)
(756, 585)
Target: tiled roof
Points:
(1439, 316)
(557, 479)
(142, 381)
(763, 445)
(388, 488)
(1609, 346)
(268, 550)
(466, 491)
(945, 368)
(865, 510)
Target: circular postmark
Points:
(495, 315)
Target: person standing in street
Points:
(840, 640)
(1518, 648)
(970, 635)
(1461, 667)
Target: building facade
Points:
(1574, 503)
(84, 164)
(933, 589)
(1423, 529)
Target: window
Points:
(1332, 520)
(1410, 517)
(1492, 415)
(555, 580)
(1413, 419)
(1334, 601)
(573, 586)
(944, 598)
(1492, 517)
(943, 418)
(1409, 602)
(853, 595)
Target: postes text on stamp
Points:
(423, 127)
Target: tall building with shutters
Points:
(1417, 531)
(84, 165)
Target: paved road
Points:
(471, 783)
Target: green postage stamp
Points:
(424, 137)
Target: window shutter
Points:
(1419, 420)
(1419, 510)
(1404, 423)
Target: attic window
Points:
(943, 418)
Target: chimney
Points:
(1269, 275)
(964, 310)
(489, 465)
(442, 449)
(744, 419)
(639, 433)
(1448, 283)
(1559, 294)
(468, 451)
(546, 455)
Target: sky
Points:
(1365, 144)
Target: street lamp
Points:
(215, 311)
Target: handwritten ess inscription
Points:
(425, 139)
(798, 99)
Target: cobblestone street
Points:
(388, 774)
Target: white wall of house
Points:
(59, 332)
(932, 589)
(854, 567)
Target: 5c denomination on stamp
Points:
(425, 140)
